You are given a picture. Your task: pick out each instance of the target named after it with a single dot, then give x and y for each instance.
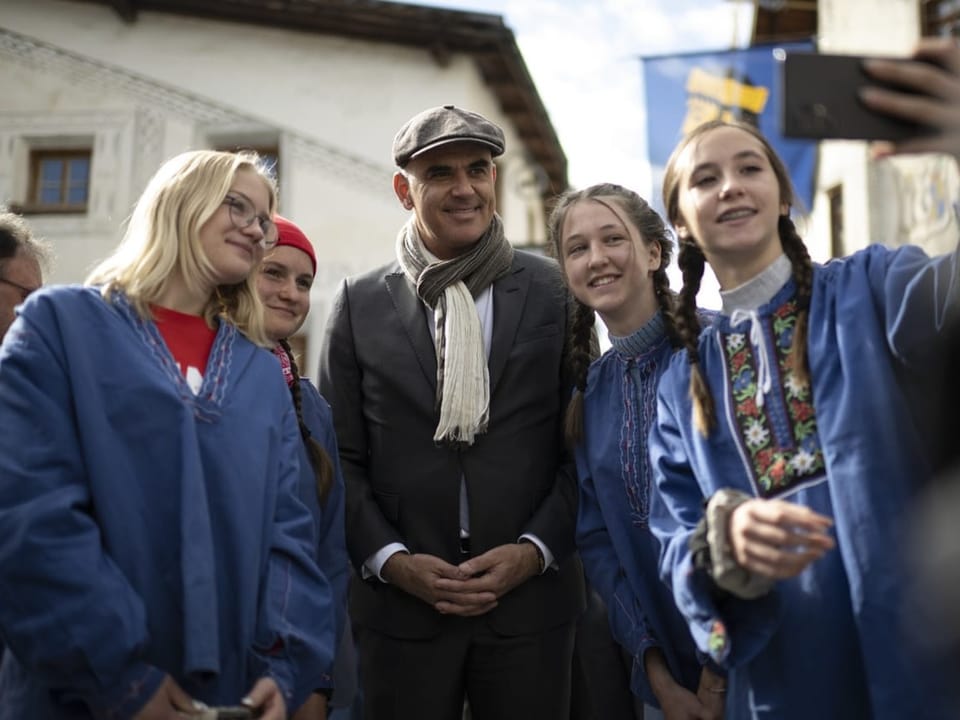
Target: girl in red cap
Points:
(283, 283)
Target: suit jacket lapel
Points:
(509, 297)
(414, 321)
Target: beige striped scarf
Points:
(448, 287)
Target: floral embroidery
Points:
(782, 461)
(756, 434)
(718, 640)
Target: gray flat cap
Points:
(441, 125)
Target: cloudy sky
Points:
(583, 57)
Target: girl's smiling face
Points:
(729, 201)
(284, 283)
(608, 265)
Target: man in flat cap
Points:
(445, 373)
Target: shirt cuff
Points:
(548, 559)
(374, 564)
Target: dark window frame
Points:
(263, 150)
(35, 203)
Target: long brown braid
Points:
(796, 251)
(691, 261)
(580, 355)
(319, 459)
(628, 206)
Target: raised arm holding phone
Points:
(787, 446)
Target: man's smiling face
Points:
(451, 189)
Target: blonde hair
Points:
(162, 237)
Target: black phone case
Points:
(818, 100)
(234, 713)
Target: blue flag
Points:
(685, 90)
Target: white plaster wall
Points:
(890, 201)
(868, 26)
(40, 110)
(855, 26)
(332, 105)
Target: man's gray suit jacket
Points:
(378, 370)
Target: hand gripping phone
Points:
(819, 100)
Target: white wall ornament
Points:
(166, 100)
(926, 195)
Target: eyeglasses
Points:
(243, 214)
(24, 291)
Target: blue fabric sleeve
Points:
(333, 558)
(602, 568)
(918, 296)
(295, 633)
(62, 595)
(729, 630)
(331, 543)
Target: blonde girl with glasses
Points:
(156, 557)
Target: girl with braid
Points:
(786, 448)
(614, 250)
(283, 283)
(155, 555)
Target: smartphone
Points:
(237, 712)
(819, 100)
(230, 712)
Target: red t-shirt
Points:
(189, 340)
